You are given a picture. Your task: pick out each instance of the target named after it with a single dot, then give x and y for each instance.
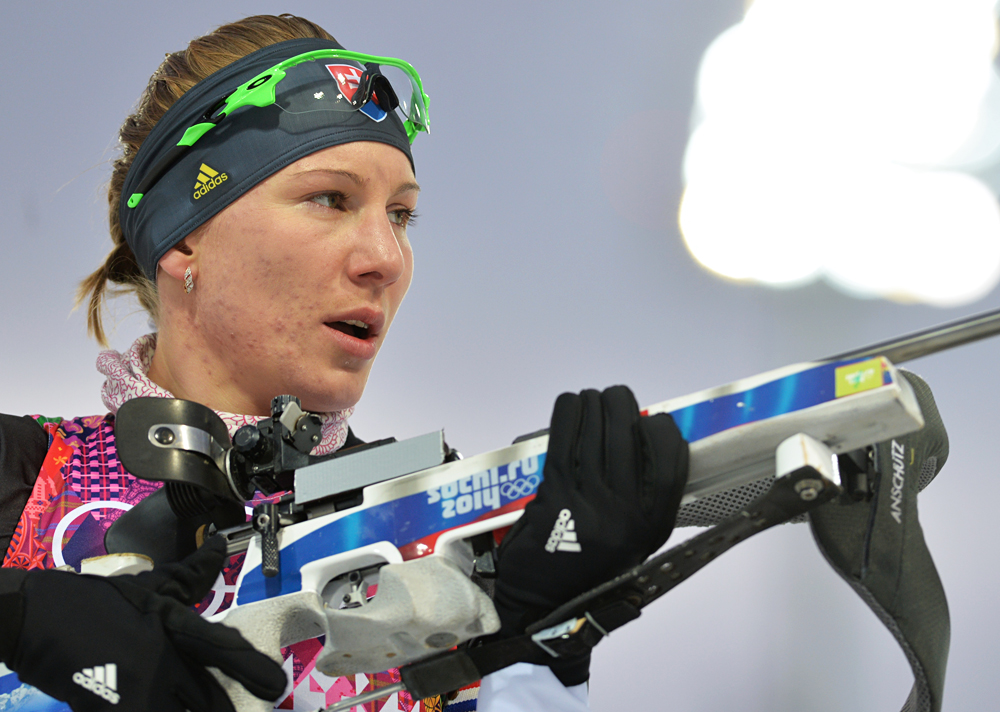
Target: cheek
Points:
(247, 289)
(260, 255)
(399, 288)
(407, 276)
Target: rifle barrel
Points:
(930, 341)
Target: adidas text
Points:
(101, 680)
(563, 536)
(208, 179)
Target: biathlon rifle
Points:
(413, 519)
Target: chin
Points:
(338, 396)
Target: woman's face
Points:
(298, 281)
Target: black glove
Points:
(129, 643)
(613, 482)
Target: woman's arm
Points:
(609, 498)
(530, 687)
(23, 444)
(55, 625)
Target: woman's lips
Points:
(344, 336)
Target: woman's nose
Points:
(378, 257)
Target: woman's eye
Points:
(404, 217)
(334, 201)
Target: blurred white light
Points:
(822, 131)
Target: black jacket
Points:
(23, 445)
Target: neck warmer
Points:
(127, 378)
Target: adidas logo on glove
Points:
(101, 680)
(563, 536)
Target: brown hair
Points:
(179, 72)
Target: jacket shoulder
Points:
(23, 444)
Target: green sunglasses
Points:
(383, 85)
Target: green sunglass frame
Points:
(260, 91)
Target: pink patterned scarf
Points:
(127, 379)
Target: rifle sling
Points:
(878, 547)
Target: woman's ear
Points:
(178, 260)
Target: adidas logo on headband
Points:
(208, 178)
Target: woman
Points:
(266, 235)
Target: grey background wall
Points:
(548, 259)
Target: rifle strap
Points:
(878, 547)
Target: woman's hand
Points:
(130, 643)
(613, 482)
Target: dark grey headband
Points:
(244, 149)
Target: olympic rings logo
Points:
(520, 487)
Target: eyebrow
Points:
(358, 180)
(408, 186)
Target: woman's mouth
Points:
(354, 327)
(355, 337)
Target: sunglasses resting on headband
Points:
(361, 82)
